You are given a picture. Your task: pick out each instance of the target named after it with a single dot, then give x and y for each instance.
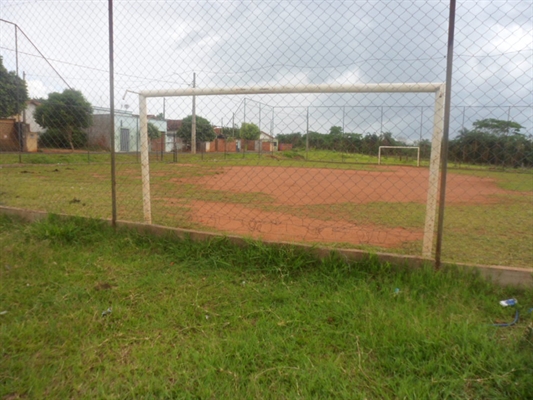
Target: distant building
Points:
(173, 142)
(29, 119)
(127, 130)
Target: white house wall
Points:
(28, 117)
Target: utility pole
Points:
(193, 129)
(307, 135)
(24, 110)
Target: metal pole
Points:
(381, 123)
(19, 135)
(445, 135)
(272, 124)
(138, 137)
(24, 110)
(259, 117)
(233, 130)
(421, 123)
(343, 115)
(342, 147)
(508, 119)
(463, 124)
(112, 116)
(244, 110)
(175, 150)
(307, 136)
(193, 128)
(224, 136)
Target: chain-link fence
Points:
(303, 121)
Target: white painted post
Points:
(434, 166)
(145, 161)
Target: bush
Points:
(57, 138)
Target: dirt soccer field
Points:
(330, 205)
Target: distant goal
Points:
(400, 147)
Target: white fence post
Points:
(145, 161)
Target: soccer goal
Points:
(400, 147)
(438, 125)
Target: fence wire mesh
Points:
(345, 169)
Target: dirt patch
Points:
(317, 186)
(242, 220)
(302, 186)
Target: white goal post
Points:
(438, 126)
(400, 147)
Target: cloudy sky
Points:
(159, 44)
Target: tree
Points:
(250, 131)
(497, 127)
(204, 130)
(230, 133)
(335, 131)
(153, 132)
(67, 113)
(492, 141)
(13, 93)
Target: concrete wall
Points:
(285, 146)
(98, 133)
(8, 135)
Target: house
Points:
(21, 133)
(127, 130)
(173, 142)
(29, 119)
(266, 143)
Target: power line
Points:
(36, 48)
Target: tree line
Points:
(493, 142)
(489, 141)
(337, 140)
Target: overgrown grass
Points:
(213, 320)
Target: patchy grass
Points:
(405, 215)
(513, 179)
(499, 233)
(212, 320)
(493, 234)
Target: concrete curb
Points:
(504, 276)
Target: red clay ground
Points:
(311, 186)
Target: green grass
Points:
(513, 179)
(491, 234)
(213, 320)
(497, 233)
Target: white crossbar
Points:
(323, 88)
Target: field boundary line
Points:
(501, 275)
